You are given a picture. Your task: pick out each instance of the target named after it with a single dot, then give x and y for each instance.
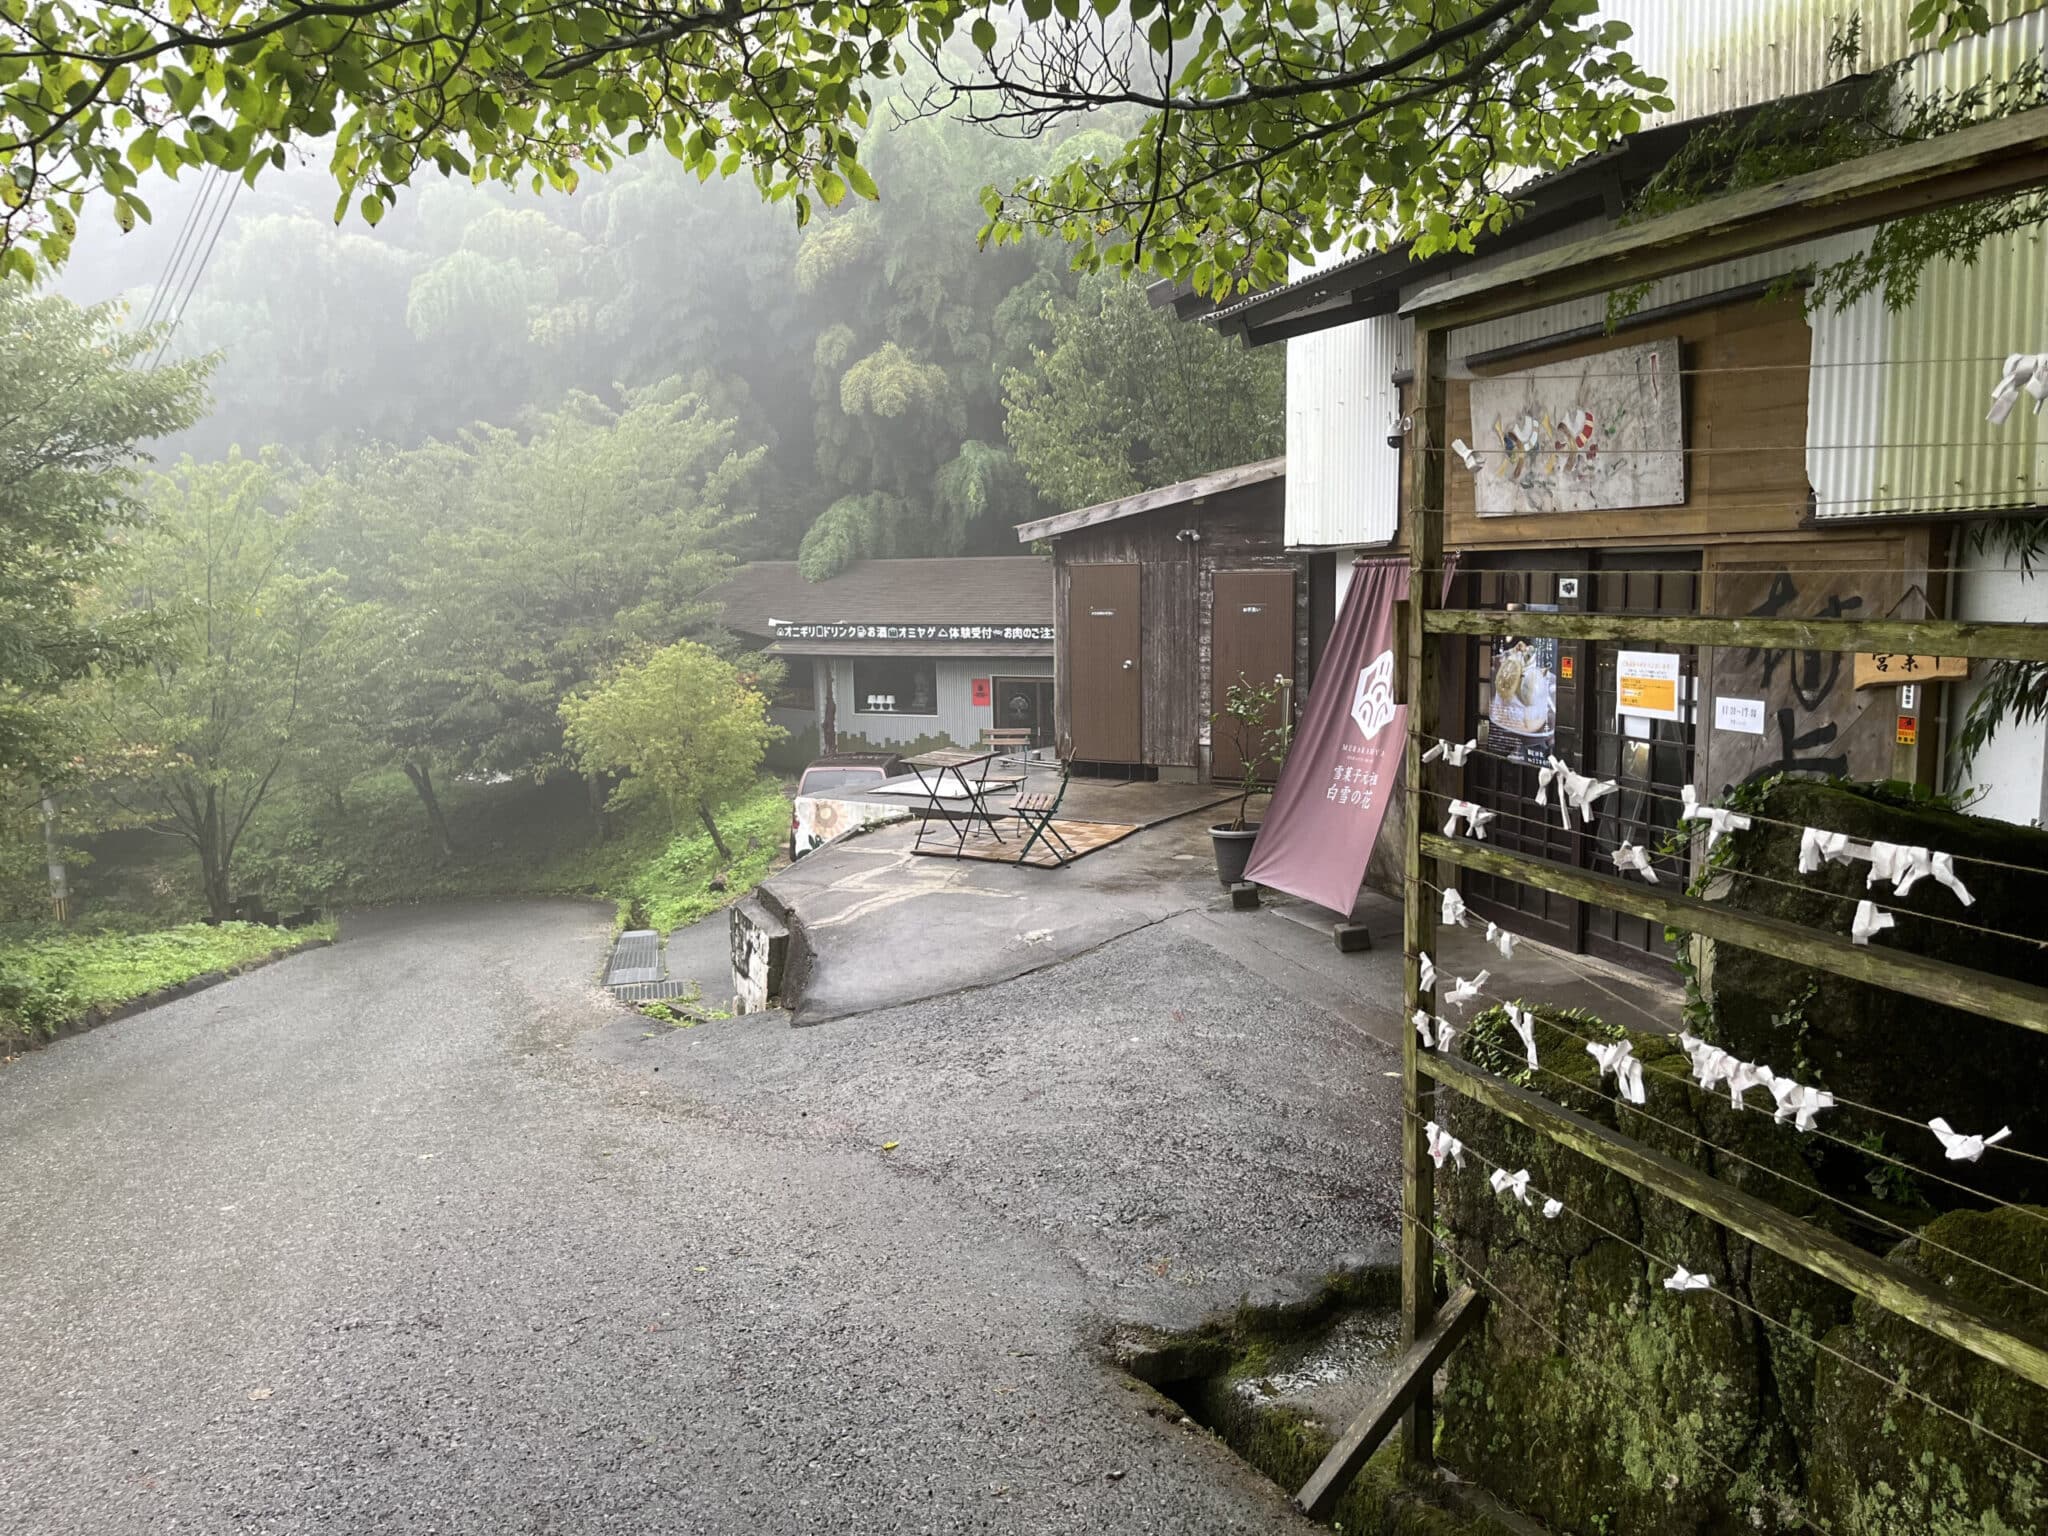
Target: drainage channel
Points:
(1280, 1384)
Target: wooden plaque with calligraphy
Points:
(1883, 669)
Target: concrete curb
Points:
(15, 1043)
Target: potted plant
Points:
(1255, 720)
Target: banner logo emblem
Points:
(1373, 705)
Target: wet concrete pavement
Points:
(411, 1235)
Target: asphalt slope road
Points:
(369, 1242)
(1184, 1131)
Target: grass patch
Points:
(46, 982)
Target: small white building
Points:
(901, 655)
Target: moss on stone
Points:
(1886, 1463)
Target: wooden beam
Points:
(1898, 637)
(1922, 976)
(1899, 1291)
(1185, 492)
(1412, 1373)
(1418, 915)
(2009, 154)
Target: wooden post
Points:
(1418, 922)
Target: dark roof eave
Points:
(1370, 284)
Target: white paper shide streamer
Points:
(2024, 373)
(1906, 864)
(1474, 815)
(1720, 821)
(1524, 1020)
(1870, 919)
(1442, 1144)
(1573, 790)
(1965, 1149)
(1464, 991)
(1629, 857)
(1817, 847)
(1618, 1059)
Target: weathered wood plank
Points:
(1897, 1290)
(1412, 1373)
(1984, 160)
(1937, 981)
(1947, 637)
(1418, 916)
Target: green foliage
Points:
(502, 572)
(75, 401)
(515, 838)
(192, 743)
(1863, 114)
(1127, 398)
(853, 528)
(47, 982)
(1260, 726)
(683, 726)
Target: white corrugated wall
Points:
(1896, 420)
(1343, 480)
(1719, 54)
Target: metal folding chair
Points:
(1036, 811)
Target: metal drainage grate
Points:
(635, 958)
(652, 991)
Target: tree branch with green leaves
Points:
(1264, 129)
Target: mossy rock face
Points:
(1886, 1463)
(1634, 1423)
(1913, 1057)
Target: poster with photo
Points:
(1523, 716)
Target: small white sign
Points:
(1646, 684)
(1744, 715)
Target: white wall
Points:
(2011, 772)
(956, 718)
(1343, 480)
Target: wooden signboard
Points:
(1882, 669)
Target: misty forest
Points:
(395, 502)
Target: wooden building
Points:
(1791, 481)
(1160, 601)
(901, 654)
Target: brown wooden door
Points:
(1251, 640)
(1105, 678)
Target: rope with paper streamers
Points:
(1660, 1026)
(1635, 1107)
(1896, 1384)
(1471, 813)
(1652, 792)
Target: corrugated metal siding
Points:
(1897, 415)
(1343, 480)
(1719, 54)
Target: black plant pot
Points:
(1233, 851)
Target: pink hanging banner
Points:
(1345, 763)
